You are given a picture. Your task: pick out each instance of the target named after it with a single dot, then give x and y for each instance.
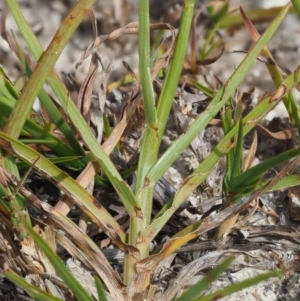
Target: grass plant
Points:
(26, 141)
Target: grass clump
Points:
(28, 141)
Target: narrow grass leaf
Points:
(204, 283)
(166, 96)
(231, 289)
(238, 152)
(39, 76)
(34, 292)
(253, 174)
(100, 290)
(79, 292)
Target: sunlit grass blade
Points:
(34, 292)
(231, 289)
(274, 71)
(46, 62)
(167, 93)
(100, 290)
(204, 283)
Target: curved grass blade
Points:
(100, 290)
(229, 290)
(31, 89)
(204, 283)
(253, 174)
(34, 292)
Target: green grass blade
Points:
(31, 89)
(206, 91)
(253, 174)
(238, 152)
(34, 292)
(165, 100)
(227, 124)
(144, 62)
(6, 88)
(229, 290)
(296, 5)
(53, 112)
(204, 283)
(100, 290)
(275, 73)
(282, 184)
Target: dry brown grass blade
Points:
(131, 28)
(86, 253)
(33, 254)
(93, 19)
(281, 135)
(132, 74)
(59, 222)
(86, 176)
(211, 60)
(194, 41)
(251, 154)
(84, 243)
(117, 132)
(86, 89)
(163, 61)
